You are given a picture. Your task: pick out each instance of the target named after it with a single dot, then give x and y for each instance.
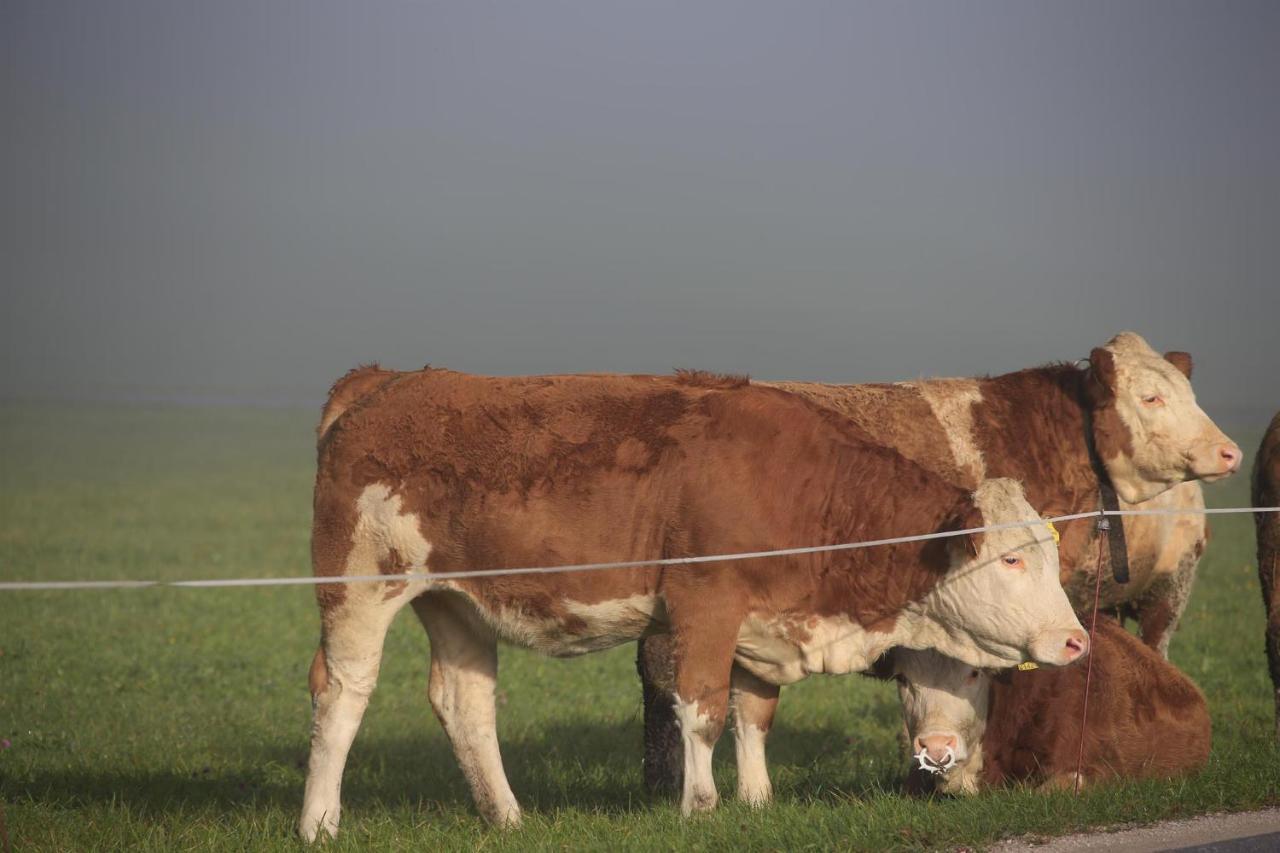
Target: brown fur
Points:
(706, 379)
(318, 677)
(1180, 360)
(1146, 719)
(357, 383)
(554, 470)
(1266, 492)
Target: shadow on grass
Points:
(591, 766)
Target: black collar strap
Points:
(1119, 551)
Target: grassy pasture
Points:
(177, 719)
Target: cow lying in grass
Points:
(435, 471)
(971, 728)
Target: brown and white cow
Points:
(973, 728)
(1266, 492)
(435, 472)
(1151, 435)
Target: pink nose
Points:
(1231, 457)
(935, 747)
(1077, 646)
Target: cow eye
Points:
(973, 675)
(1153, 400)
(1013, 561)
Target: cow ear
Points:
(1180, 360)
(968, 518)
(1101, 379)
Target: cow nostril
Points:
(1230, 455)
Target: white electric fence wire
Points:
(13, 586)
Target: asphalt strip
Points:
(1242, 832)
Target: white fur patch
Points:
(990, 615)
(783, 651)
(941, 695)
(1172, 440)
(754, 787)
(594, 627)
(952, 402)
(699, 785)
(383, 532)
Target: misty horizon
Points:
(240, 202)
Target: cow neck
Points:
(1031, 426)
(1049, 445)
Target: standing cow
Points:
(970, 727)
(435, 472)
(1131, 412)
(1266, 492)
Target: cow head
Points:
(1002, 601)
(944, 706)
(1147, 427)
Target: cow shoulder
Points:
(896, 415)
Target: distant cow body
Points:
(1135, 405)
(1146, 719)
(435, 471)
(1266, 492)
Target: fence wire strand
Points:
(16, 586)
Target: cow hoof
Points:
(311, 829)
(756, 797)
(1063, 782)
(503, 818)
(699, 801)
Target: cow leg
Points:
(464, 671)
(754, 702)
(1269, 574)
(343, 675)
(703, 661)
(1161, 608)
(663, 747)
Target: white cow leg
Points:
(703, 661)
(464, 671)
(347, 674)
(754, 702)
(699, 731)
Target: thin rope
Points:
(1104, 531)
(13, 586)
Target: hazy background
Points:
(240, 200)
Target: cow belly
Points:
(574, 627)
(783, 650)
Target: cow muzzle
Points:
(936, 753)
(1217, 460)
(1059, 648)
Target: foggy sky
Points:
(244, 199)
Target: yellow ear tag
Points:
(1057, 537)
(1028, 664)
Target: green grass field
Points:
(173, 719)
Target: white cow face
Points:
(944, 706)
(1002, 601)
(1148, 429)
